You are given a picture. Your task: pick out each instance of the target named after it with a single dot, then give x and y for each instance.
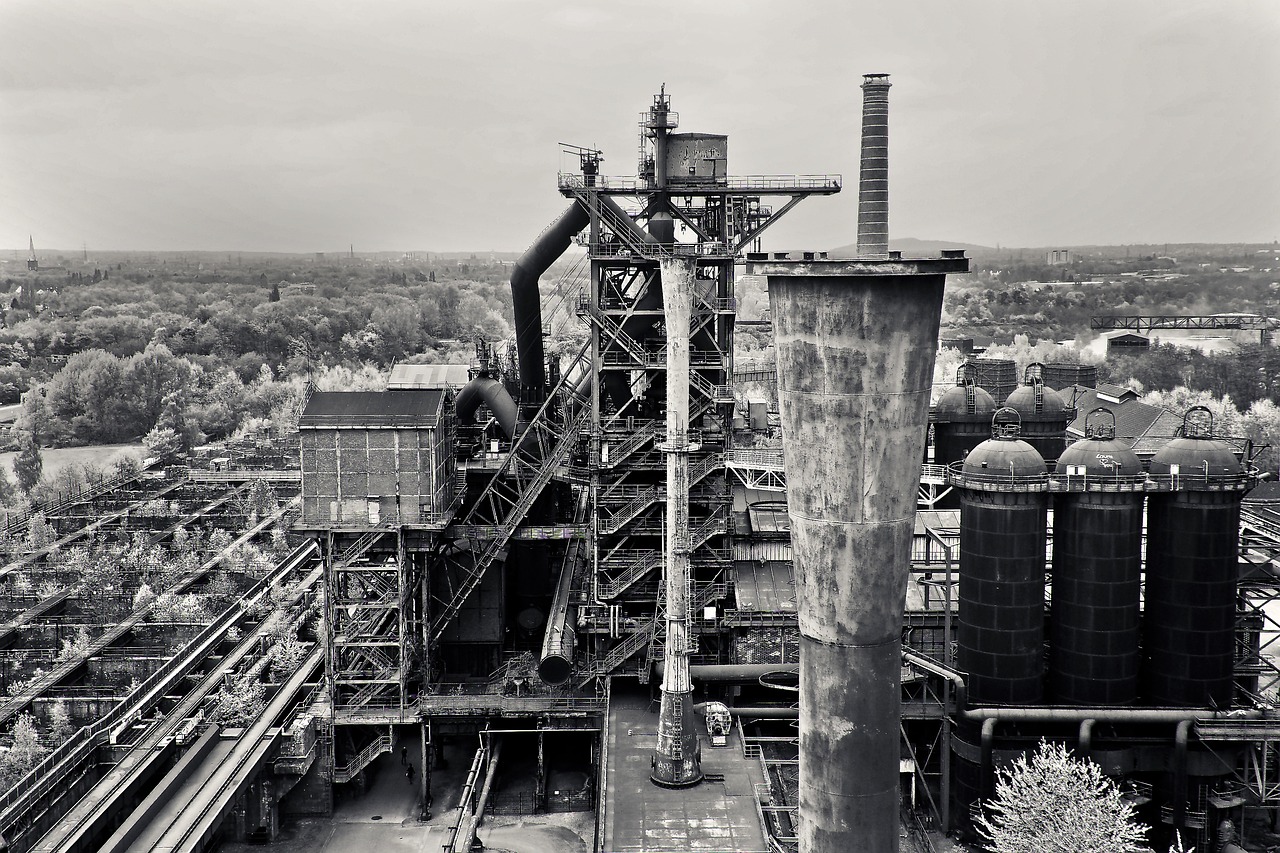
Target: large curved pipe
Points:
(932, 666)
(1084, 741)
(739, 672)
(484, 389)
(986, 783)
(555, 665)
(526, 303)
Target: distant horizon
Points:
(345, 253)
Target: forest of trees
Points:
(1003, 298)
(185, 353)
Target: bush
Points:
(1055, 801)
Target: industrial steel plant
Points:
(597, 563)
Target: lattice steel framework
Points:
(634, 223)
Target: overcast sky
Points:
(308, 125)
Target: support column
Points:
(677, 760)
(424, 793)
(855, 343)
(540, 779)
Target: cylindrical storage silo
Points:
(1193, 526)
(1059, 375)
(1003, 507)
(998, 375)
(1097, 569)
(962, 419)
(1044, 414)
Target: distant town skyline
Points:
(302, 127)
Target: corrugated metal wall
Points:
(401, 473)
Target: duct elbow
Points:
(484, 389)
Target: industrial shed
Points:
(376, 458)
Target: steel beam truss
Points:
(536, 455)
(370, 620)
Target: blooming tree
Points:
(1053, 802)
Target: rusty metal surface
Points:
(855, 363)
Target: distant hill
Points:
(912, 247)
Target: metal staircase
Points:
(632, 573)
(634, 441)
(360, 547)
(623, 227)
(651, 495)
(619, 654)
(348, 771)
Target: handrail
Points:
(996, 480)
(348, 771)
(14, 704)
(61, 501)
(30, 557)
(1191, 480)
(159, 681)
(638, 569)
(636, 438)
(745, 458)
(200, 825)
(574, 181)
(619, 654)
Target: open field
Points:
(55, 459)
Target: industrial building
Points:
(592, 579)
(571, 547)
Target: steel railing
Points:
(831, 182)
(40, 778)
(348, 771)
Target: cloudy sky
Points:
(308, 125)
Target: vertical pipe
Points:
(855, 344)
(873, 181)
(1181, 737)
(676, 761)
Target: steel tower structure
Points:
(682, 204)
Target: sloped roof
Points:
(1143, 426)
(1117, 392)
(373, 409)
(428, 376)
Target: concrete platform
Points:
(640, 816)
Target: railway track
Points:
(16, 704)
(184, 813)
(39, 806)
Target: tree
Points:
(40, 533)
(1055, 802)
(173, 416)
(60, 724)
(8, 492)
(36, 417)
(28, 465)
(164, 445)
(240, 700)
(24, 752)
